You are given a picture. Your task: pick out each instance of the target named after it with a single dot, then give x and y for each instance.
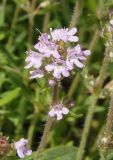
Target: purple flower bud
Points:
(52, 82)
(72, 103)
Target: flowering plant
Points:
(54, 58)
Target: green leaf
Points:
(12, 158)
(57, 153)
(60, 153)
(110, 155)
(99, 109)
(29, 157)
(9, 96)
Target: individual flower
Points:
(48, 48)
(75, 56)
(64, 35)
(21, 149)
(59, 68)
(34, 59)
(58, 111)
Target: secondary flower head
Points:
(53, 57)
(58, 111)
(21, 149)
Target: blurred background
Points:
(24, 103)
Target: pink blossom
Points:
(48, 48)
(55, 58)
(75, 56)
(58, 110)
(59, 69)
(34, 59)
(21, 149)
(64, 35)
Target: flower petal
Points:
(65, 110)
(52, 112)
(59, 115)
(49, 67)
(77, 63)
(72, 31)
(73, 39)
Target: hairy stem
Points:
(109, 124)
(89, 116)
(76, 14)
(102, 157)
(44, 138)
(48, 126)
(86, 129)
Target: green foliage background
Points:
(24, 103)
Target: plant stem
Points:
(93, 44)
(109, 124)
(46, 22)
(30, 31)
(32, 127)
(44, 137)
(31, 23)
(73, 86)
(76, 14)
(102, 157)
(87, 124)
(89, 116)
(14, 21)
(48, 125)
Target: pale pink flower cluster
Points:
(53, 57)
(21, 149)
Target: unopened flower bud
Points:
(72, 103)
(52, 82)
